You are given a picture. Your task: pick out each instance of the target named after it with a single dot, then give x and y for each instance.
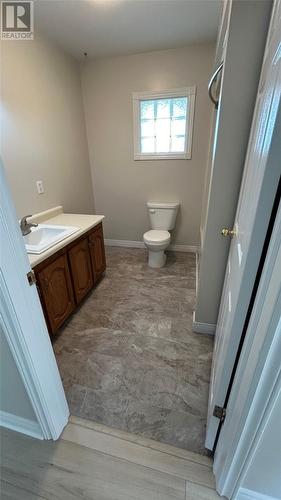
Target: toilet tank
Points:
(162, 215)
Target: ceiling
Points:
(105, 28)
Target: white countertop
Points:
(57, 217)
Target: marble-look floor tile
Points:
(129, 359)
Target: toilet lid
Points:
(157, 236)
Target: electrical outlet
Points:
(40, 187)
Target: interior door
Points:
(258, 190)
(25, 329)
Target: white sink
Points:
(45, 236)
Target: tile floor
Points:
(129, 359)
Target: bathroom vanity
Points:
(66, 272)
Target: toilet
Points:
(162, 218)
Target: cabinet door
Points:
(80, 265)
(96, 243)
(56, 292)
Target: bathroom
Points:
(108, 138)
(127, 355)
(140, 249)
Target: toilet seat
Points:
(156, 237)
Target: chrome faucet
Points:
(26, 226)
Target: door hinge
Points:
(220, 413)
(31, 278)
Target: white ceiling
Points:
(118, 27)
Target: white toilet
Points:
(162, 219)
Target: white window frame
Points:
(188, 92)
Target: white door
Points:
(259, 185)
(24, 327)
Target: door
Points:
(25, 330)
(56, 289)
(258, 189)
(80, 265)
(97, 252)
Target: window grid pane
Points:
(163, 125)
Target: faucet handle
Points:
(23, 219)
(26, 226)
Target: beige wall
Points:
(13, 395)
(122, 186)
(43, 128)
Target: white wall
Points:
(43, 128)
(13, 397)
(122, 186)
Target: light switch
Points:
(40, 187)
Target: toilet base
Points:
(156, 259)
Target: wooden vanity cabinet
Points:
(66, 277)
(96, 244)
(56, 292)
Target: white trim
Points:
(245, 494)
(190, 93)
(123, 243)
(206, 328)
(183, 248)
(166, 156)
(20, 424)
(140, 244)
(161, 94)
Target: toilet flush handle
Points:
(152, 210)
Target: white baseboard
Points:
(245, 494)
(184, 248)
(124, 243)
(20, 424)
(140, 244)
(207, 328)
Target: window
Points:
(163, 123)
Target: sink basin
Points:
(45, 236)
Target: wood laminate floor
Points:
(128, 357)
(93, 462)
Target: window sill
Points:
(149, 157)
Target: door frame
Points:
(25, 330)
(257, 381)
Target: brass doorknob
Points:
(228, 232)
